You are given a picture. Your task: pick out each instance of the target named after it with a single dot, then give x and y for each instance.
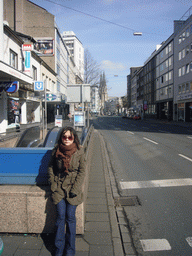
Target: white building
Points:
(76, 50)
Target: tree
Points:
(91, 69)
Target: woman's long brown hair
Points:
(73, 132)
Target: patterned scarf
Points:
(64, 153)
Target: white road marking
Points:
(151, 245)
(150, 140)
(161, 131)
(185, 157)
(189, 241)
(130, 132)
(155, 183)
(189, 137)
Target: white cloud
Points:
(109, 65)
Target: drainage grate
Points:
(126, 201)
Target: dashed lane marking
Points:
(150, 140)
(130, 132)
(186, 157)
(189, 241)
(151, 245)
(189, 137)
(155, 183)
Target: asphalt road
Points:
(153, 162)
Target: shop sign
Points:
(27, 60)
(10, 87)
(51, 97)
(27, 47)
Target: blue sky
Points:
(114, 47)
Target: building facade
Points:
(183, 70)
(76, 51)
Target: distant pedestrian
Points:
(69, 116)
(66, 172)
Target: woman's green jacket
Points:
(62, 184)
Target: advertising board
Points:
(44, 46)
(79, 118)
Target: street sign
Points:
(51, 97)
(38, 86)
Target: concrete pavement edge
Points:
(116, 236)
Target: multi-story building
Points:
(21, 105)
(76, 51)
(164, 83)
(28, 18)
(183, 70)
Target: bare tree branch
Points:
(91, 69)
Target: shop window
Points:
(13, 59)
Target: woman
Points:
(66, 173)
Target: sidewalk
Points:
(101, 236)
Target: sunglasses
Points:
(64, 137)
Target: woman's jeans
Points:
(65, 242)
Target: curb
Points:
(122, 240)
(116, 237)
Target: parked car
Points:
(136, 117)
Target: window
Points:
(191, 86)
(170, 47)
(161, 67)
(161, 55)
(187, 49)
(166, 77)
(161, 79)
(187, 32)
(183, 53)
(170, 61)
(180, 39)
(183, 36)
(183, 71)
(179, 89)
(187, 87)
(34, 75)
(183, 88)
(13, 59)
(180, 55)
(191, 66)
(179, 73)
(170, 75)
(187, 69)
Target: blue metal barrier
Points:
(26, 166)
